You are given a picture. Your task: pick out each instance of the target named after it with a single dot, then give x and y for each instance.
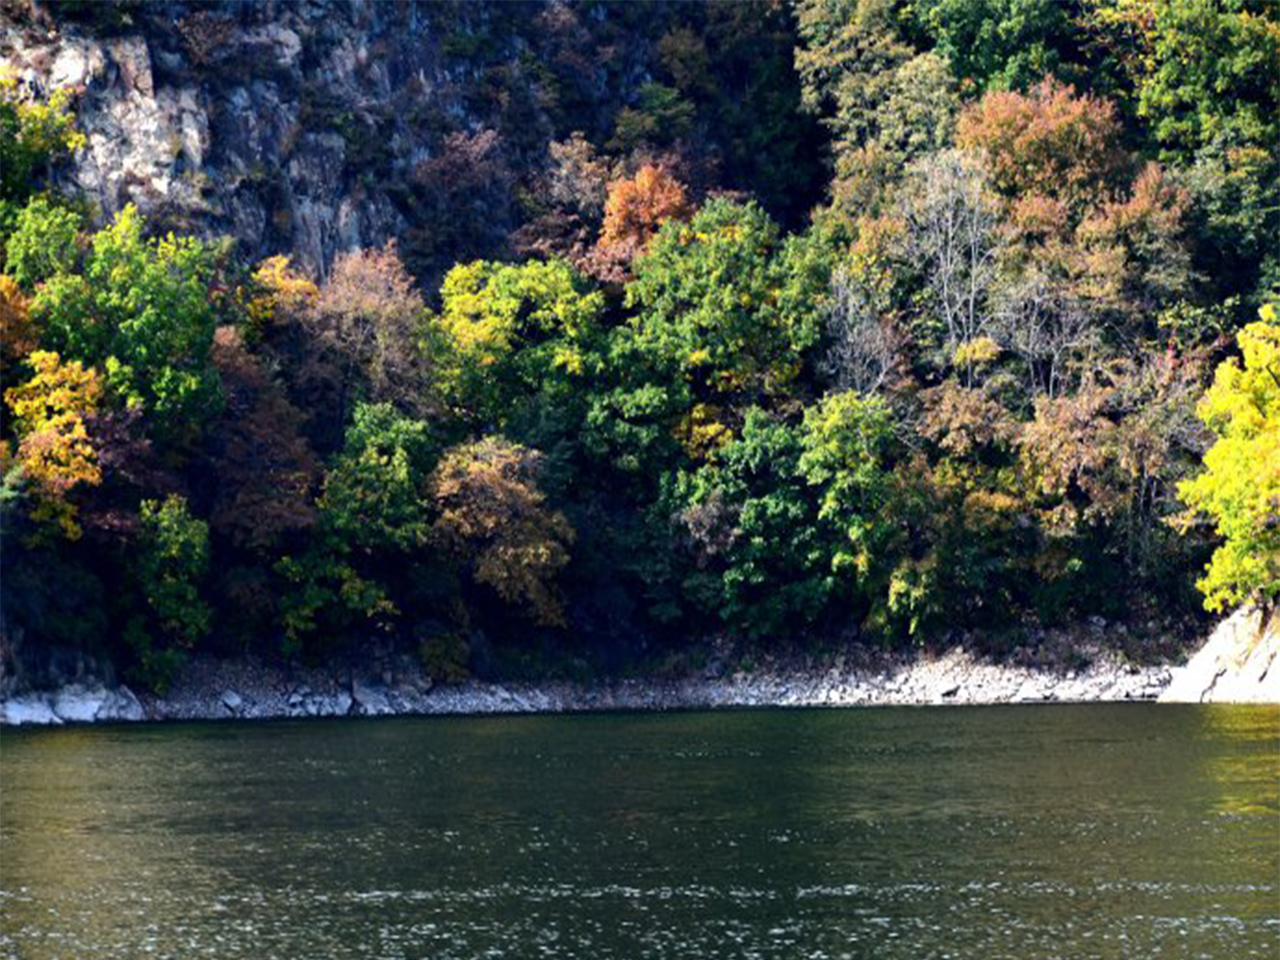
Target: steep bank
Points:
(1239, 663)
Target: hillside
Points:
(577, 339)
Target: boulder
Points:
(121, 704)
(76, 703)
(1239, 663)
(371, 700)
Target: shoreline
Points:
(243, 689)
(1238, 663)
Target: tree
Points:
(279, 294)
(492, 516)
(864, 346)
(1042, 317)
(1205, 71)
(43, 242)
(55, 452)
(635, 209)
(750, 517)
(173, 560)
(846, 440)
(1000, 44)
(1103, 464)
(722, 301)
(464, 193)
(264, 468)
(323, 594)
(952, 218)
(32, 136)
(917, 117)
(885, 103)
(142, 311)
(372, 320)
(660, 117)
(1137, 260)
(374, 495)
(579, 180)
(18, 333)
(508, 332)
(1239, 489)
(1047, 142)
(847, 60)
(1206, 77)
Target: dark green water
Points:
(1118, 831)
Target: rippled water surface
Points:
(1118, 831)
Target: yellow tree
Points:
(54, 450)
(1240, 486)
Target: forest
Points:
(873, 319)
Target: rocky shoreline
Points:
(1235, 664)
(217, 690)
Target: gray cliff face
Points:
(295, 128)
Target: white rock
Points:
(78, 704)
(231, 700)
(1239, 663)
(370, 700)
(121, 704)
(33, 709)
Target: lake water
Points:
(1113, 831)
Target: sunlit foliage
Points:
(491, 514)
(55, 451)
(1240, 487)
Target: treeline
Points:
(970, 393)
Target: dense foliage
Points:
(969, 391)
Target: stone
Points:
(77, 704)
(121, 704)
(370, 700)
(232, 701)
(32, 709)
(1237, 664)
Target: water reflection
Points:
(1108, 831)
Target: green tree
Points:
(142, 311)
(32, 136)
(1000, 44)
(885, 102)
(43, 242)
(847, 441)
(173, 560)
(763, 564)
(724, 302)
(1207, 79)
(323, 594)
(374, 494)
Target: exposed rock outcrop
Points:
(310, 128)
(1239, 663)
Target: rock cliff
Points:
(312, 127)
(305, 128)
(1239, 663)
